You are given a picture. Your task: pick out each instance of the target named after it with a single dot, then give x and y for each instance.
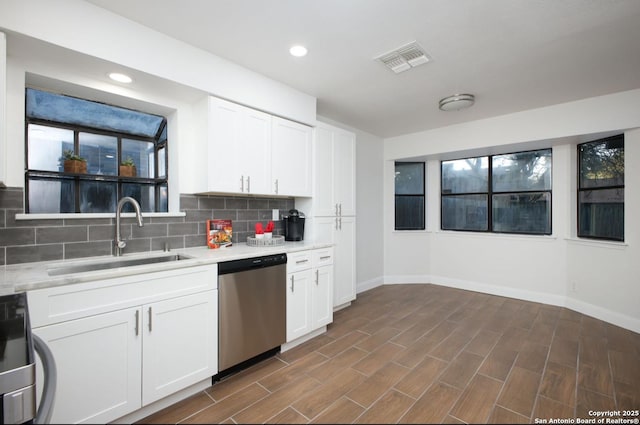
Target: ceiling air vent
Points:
(404, 58)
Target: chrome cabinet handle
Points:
(150, 320)
(276, 186)
(340, 213)
(291, 283)
(241, 183)
(301, 261)
(336, 209)
(137, 322)
(248, 184)
(326, 257)
(336, 223)
(317, 276)
(340, 220)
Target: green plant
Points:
(129, 161)
(68, 154)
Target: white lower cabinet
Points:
(341, 232)
(309, 291)
(98, 363)
(113, 363)
(178, 346)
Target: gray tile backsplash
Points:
(23, 241)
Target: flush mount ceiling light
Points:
(119, 77)
(298, 51)
(404, 58)
(456, 102)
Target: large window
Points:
(409, 190)
(601, 189)
(102, 138)
(509, 193)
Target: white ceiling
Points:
(512, 54)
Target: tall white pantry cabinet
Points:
(332, 207)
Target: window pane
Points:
(164, 199)
(162, 162)
(46, 145)
(601, 213)
(97, 197)
(465, 212)
(75, 111)
(469, 175)
(101, 153)
(143, 193)
(522, 171)
(142, 154)
(522, 213)
(51, 196)
(409, 213)
(409, 178)
(602, 163)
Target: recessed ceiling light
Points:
(298, 51)
(121, 78)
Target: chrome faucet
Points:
(119, 243)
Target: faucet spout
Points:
(119, 244)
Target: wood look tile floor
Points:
(431, 354)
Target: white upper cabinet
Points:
(252, 152)
(238, 141)
(291, 158)
(335, 171)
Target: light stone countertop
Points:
(31, 276)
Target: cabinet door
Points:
(344, 154)
(180, 343)
(290, 158)
(224, 146)
(254, 152)
(298, 304)
(344, 261)
(322, 299)
(98, 362)
(324, 172)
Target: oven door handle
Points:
(45, 409)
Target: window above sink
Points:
(119, 152)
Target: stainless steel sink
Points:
(114, 264)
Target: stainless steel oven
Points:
(18, 348)
(17, 361)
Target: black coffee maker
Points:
(293, 225)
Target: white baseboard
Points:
(291, 344)
(559, 300)
(165, 402)
(369, 284)
(609, 316)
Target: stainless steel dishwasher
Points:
(252, 310)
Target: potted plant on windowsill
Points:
(128, 167)
(73, 163)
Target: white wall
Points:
(3, 103)
(596, 278)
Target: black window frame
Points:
(158, 183)
(491, 192)
(422, 195)
(581, 189)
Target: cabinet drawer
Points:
(298, 261)
(62, 303)
(322, 257)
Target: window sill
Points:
(494, 235)
(597, 243)
(72, 216)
